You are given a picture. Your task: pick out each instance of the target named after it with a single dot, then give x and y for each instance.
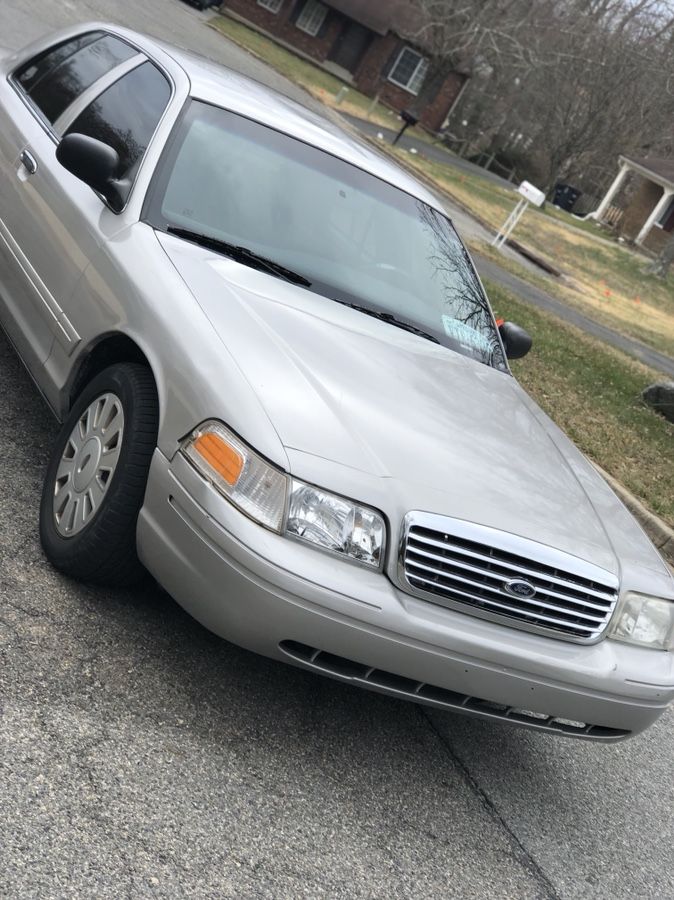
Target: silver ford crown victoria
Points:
(283, 393)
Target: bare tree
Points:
(599, 82)
(461, 34)
(581, 80)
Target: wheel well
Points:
(114, 349)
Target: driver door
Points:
(49, 221)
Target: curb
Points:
(658, 531)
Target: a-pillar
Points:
(658, 210)
(618, 182)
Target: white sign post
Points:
(528, 194)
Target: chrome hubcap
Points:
(88, 464)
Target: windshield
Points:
(354, 237)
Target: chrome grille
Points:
(460, 571)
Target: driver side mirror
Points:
(516, 340)
(94, 163)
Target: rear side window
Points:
(40, 66)
(126, 114)
(57, 77)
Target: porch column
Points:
(618, 182)
(657, 211)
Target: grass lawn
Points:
(589, 226)
(592, 393)
(316, 81)
(606, 280)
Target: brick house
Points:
(640, 202)
(360, 42)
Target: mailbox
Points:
(408, 119)
(531, 193)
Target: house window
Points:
(272, 5)
(312, 17)
(409, 70)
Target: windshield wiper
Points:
(389, 318)
(240, 254)
(250, 258)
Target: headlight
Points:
(259, 490)
(644, 620)
(248, 481)
(336, 524)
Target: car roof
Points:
(221, 86)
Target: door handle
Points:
(29, 162)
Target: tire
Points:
(96, 478)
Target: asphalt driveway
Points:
(141, 756)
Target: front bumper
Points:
(244, 583)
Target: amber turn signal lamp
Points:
(226, 461)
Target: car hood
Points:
(447, 434)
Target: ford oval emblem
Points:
(517, 587)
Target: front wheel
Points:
(95, 481)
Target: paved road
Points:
(142, 757)
(22, 21)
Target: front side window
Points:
(59, 75)
(352, 238)
(125, 116)
(271, 5)
(312, 17)
(409, 70)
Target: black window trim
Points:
(48, 127)
(93, 35)
(103, 80)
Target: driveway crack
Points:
(520, 852)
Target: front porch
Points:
(644, 215)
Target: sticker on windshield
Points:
(468, 338)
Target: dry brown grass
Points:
(644, 321)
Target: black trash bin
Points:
(565, 196)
